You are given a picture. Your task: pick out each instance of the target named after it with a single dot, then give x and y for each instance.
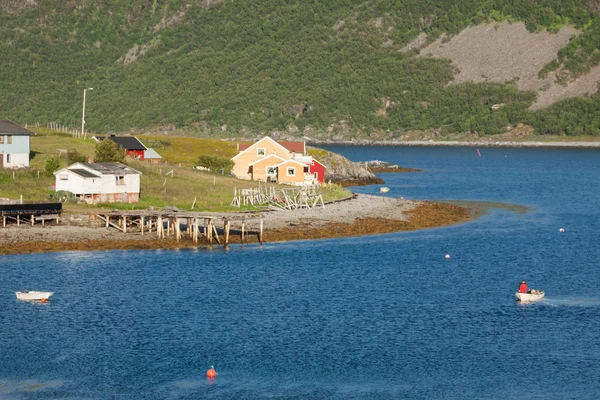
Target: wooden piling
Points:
(226, 233)
(243, 226)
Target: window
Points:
(9, 139)
(8, 158)
(271, 171)
(1, 139)
(120, 179)
(316, 175)
(261, 151)
(291, 171)
(63, 177)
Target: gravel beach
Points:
(359, 215)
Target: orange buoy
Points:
(43, 300)
(211, 373)
(562, 229)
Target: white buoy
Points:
(562, 229)
(447, 256)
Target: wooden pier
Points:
(30, 213)
(180, 225)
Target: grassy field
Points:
(160, 187)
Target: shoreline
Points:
(457, 143)
(360, 215)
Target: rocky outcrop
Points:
(342, 171)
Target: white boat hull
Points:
(33, 296)
(535, 295)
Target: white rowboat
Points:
(384, 189)
(33, 295)
(534, 295)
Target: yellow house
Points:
(264, 161)
(265, 169)
(293, 172)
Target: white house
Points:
(15, 143)
(100, 182)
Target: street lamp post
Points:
(83, 114)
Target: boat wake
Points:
(571, 301)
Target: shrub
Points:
(215, 163)
(108, 151)
(52, 164)
(73, 156)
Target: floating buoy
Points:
(447, 256)
(402, 198)
(211, 373)
(562, 229)
(43, 300)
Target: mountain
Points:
(316, 69)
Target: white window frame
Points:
(261, 151)
(120, 180)
(274, 173)
(8, 157)
(292, 169)
(63, 177)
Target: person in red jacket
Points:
(523, 288)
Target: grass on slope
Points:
(159, 187)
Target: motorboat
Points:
(32, 295)
(532, 295)
(384, 189)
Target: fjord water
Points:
(375, 317)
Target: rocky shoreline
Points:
(358, 216)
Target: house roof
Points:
(128, 142)
(151, 153)
(112, 168)
(84, 173)
(291, 161)
(9, 127)
(279, 159)
(319, 162)
(106, 168)
(292, 147)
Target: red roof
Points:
(293, 147)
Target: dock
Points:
(180, 225)
(30, 213)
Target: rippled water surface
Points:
(363, 318)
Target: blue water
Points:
(380, 317)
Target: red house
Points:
(318, 170)
(132, 146)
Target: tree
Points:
(108, 151)
(215, 163)
(52, 164)
(73, 156)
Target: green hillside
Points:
(226, 68)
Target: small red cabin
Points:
(318, 170)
